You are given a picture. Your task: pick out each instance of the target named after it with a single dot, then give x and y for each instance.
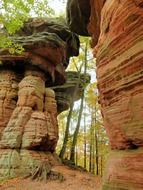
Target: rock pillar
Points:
(120, 74)
(28, 109)
(116, 27)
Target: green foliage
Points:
(13, 13)
(92, 144)
(13, 48)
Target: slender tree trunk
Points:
(74, 142)
(63, 149)
(90, 156)
(85, 144)
(91, 146)
(97, 156)
(72, 152)
(76, 156)
(101, 166)
(96, 145)
(93, 150)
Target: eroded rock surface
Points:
(117, 32)
(78, 14)
(28, 108)
(119, 62)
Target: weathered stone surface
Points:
(120, 75)
(32, 125)
(84, 16)
(28, 107)
(48, 45)
(78, 13)
(117, 32)
(14, 163)
(8, 96)
(124, 170)
(95, 19)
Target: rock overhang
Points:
(84, 17)
(48, 45)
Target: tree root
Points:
(43, 172)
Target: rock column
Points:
(32, 126)
(116, 28)
(8, 96)
(119, 53)
(28, 109)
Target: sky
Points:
(58, 5)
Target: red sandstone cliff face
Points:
(119, 55)
(94, 21)
(116, 27)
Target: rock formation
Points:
(117, 31)
(71, 90)
(28, 108)
(78, 14)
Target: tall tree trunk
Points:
(93, 150)
(72, 152)
(101, 166)
(96, 144)
(63, 149)
(74, 142)
(97, 156)
(85, 143)
(91, 145)
(76, 163)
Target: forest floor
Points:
(73, 180)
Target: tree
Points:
(66, 137)
(13, 13)
(74, 142)
(87, 143)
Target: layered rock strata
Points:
(118, 44)
(120, 74)
(28, 109)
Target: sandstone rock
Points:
(124, 170)
(48, 45)
(28, 107)
(36, 136)
(78, 14)
(95, 20)
(32, 125)
(117, 38)
(84, 16)
(8, 96)
(14, 163)
(12, 135)
(119, 74)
